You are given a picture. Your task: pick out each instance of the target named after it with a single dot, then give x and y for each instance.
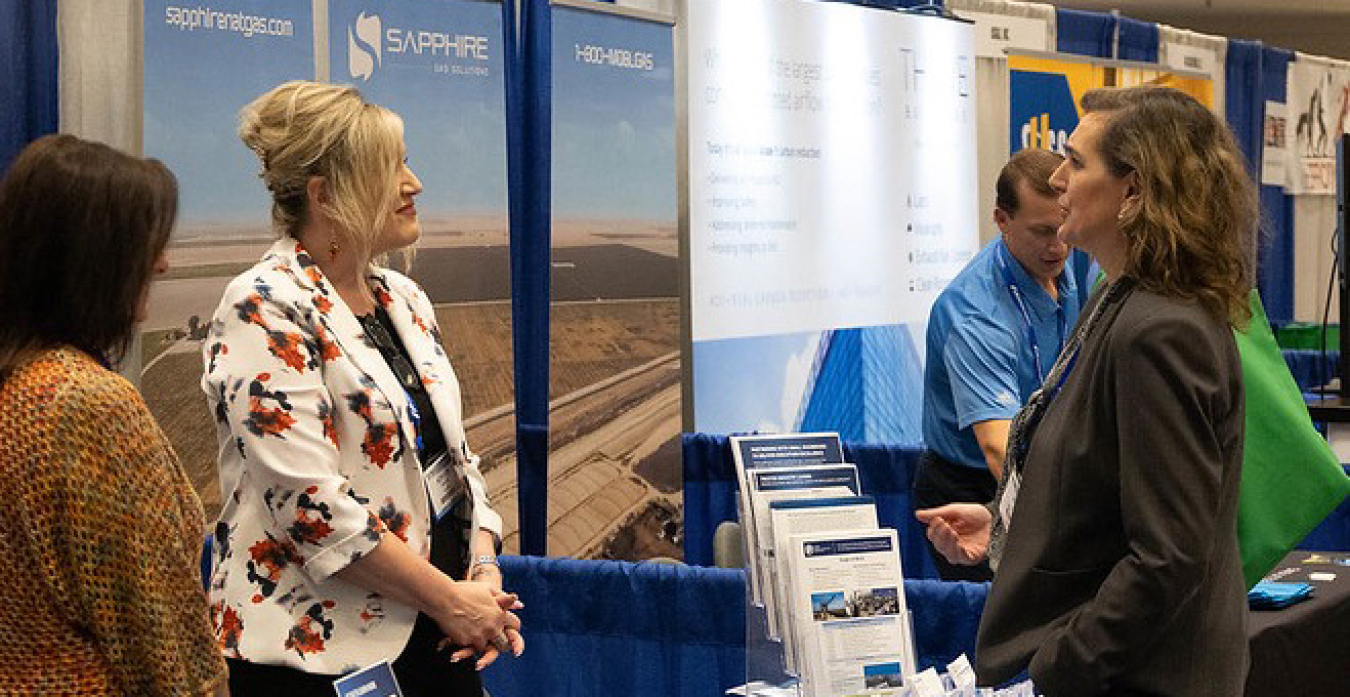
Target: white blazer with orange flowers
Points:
(317, 460)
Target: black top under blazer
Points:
(1121, 574)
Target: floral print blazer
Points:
(317, 461)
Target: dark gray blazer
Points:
(1121, 574)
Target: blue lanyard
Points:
(1016, 292)
(416, 419)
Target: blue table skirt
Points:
(607, 628)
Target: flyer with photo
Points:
(847, 597)
(798, 517)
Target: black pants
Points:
(422, 671)
(938, 482)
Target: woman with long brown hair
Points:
(100, 531)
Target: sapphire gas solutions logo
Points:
(370, 43)
(364, 48)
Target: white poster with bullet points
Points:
(832, 176)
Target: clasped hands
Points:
(478, 618)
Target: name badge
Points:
(374, 681)
(1009, 498)
(445, 486)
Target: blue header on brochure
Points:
(793, 450)
(859, 545)
(823, 503)
(772, 480)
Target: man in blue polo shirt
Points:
(992, 336)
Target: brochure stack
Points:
(825, 579)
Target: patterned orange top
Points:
(100, 537)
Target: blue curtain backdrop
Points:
(1094, 33)
(1084, 33)
(28, 74)
(1138, 40)
(1275, 270)
(1256, 74)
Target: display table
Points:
(1301, 650)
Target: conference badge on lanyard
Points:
(1008, 499)
(445, 486)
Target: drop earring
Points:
(332, 247)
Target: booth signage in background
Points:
(1275, 144)
(1045, 90)
(203, 62)
(614, 461)
(1318, 111)
(1189, 59)
(997, 34)
(439, 65)
(832, 196)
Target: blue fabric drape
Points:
(1254, 75)
(528, 140)
(1332, 534)
(1275, 268)
(1084, 33)
(886, 473)
(1311, 368)
(28, 74)
(608, 628)
(1138, 40)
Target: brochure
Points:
(774, 451)
(789, 484)
(846, 594)
(797, 517)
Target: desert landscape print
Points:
(614, 413)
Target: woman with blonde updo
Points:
(1114, 534)
(355, 526)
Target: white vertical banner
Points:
(828, 145)
(832, 184)
(1318, 113)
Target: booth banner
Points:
(1275, 144)
(1318, 103)
(440, 66)
(614, 322)
(1045, 92)
(202, 63)
(832, 196)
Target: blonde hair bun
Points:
(304, 129)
